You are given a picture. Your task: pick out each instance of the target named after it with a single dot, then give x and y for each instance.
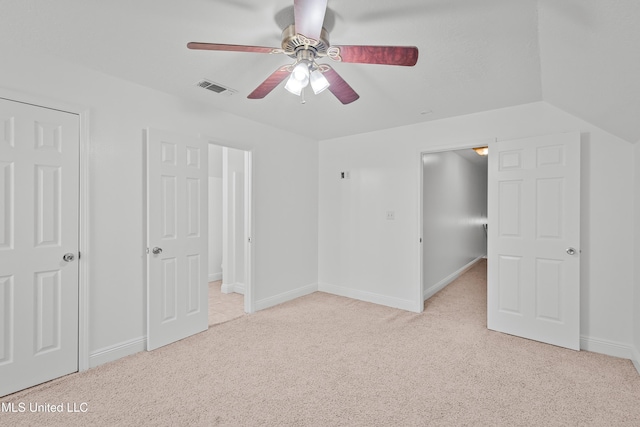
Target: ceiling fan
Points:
(307, 40)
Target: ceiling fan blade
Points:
(338, 86)
(387, 55)
(232, 47)
(272, 81)
(309, 16)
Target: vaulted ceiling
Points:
(475, 55)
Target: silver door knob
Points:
(571, 251)
(68, 257)
(156, 250)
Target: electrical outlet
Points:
(391, 215)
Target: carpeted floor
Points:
(324, 360)
(223, 307)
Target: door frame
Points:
(249, 306)
(456, 146)
(83, 208)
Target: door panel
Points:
(549, 289)
(177, 289)
(510, 283)
(550, 209)
(194, 296)
(510, 209)
(534, 213)
(39, 177)
(6, 319)
(48, 316)
(7, 209)
(47, 205)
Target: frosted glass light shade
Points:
(299, 78)
(318, 82)
(294, 86)
(301, 71)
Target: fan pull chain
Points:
(303, 101)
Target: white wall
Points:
(454, 210)
(215, 212)
(636, 214)
(362, 255)
(285, 205)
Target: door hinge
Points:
(249, 239)
(79, 254)
(147, 250)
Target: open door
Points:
(177, 288)
(533, 275)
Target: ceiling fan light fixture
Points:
(482, 151)
(318, 81)
(301, 71)
(299, 78)
(294, 86)
(306, 40)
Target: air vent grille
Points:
(215, 87)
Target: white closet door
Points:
(39, 177)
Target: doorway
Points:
(453, 215)
(228, 216)
(533, 242)
(177, 235)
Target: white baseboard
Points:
(285, 296)
(371, 297)
(428, 293)
(610, 348)
(636, 358)
(117, 351)
(228, 288)
(214, 277)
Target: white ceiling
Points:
(475, 55)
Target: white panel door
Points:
(534, 239)
(39, 176)
(177, 289)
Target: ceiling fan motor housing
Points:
(292, 43)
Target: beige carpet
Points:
(324, 360)
(223, 307)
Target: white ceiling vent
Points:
(215, 87)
